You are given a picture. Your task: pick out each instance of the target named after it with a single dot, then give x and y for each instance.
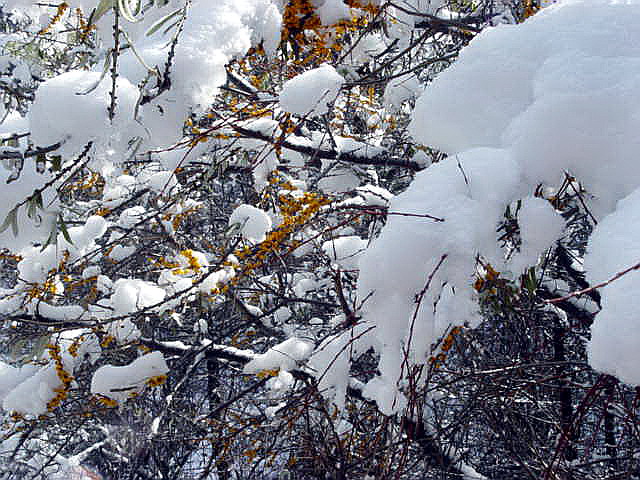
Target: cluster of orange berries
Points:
(530, 9)
(64, 376)
(107, 340)
(445, 346)
(296, 211)
(73, 348)
(85, 28)
(300, 15)
(107, 401)
(194, 264)
(62, 8)
(482, 283)
(156, 380)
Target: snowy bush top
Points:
(524, 105)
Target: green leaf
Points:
(531, 283)
(103, 7)
(156, 26)
(63, 229)
(56, 163)
(52, 238)
(124, 6)
(11, 220)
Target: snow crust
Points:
(119, 383)
(345, 251)
(254, 223)
(284, 356)
(522, 105)
(63, 111)
(311, 91)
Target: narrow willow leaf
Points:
(156, 26)
(124, 6)
(103, 7)
(63, 229)
(10, 220)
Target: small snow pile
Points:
(51, 120)
(254, 223)
(332, 11)
(121, 383)
(540, 226)
(522, 105)
(34, 390)
(311, 91)
(129, 295)
(32, 395)
(284, 356)
(400, 90)
(331, 361)
(615, 335)
(345, 251)
(213, 33)
(36, 263)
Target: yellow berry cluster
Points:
(530, 9)
(300, 16)
(488, 281)
(179, 217)
(84, 27)
(156, 380)
(447, 343)
(268, 373)
(49, 287)
(297, 212)
(194, 264)
(106, 401)
(73, 348)
(106, 341)
(92, 184)
(62, 8)
(10, 257)
(64, 376)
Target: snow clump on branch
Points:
(522, 106)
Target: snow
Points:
(284, 356)
(311, 91)
(330, 362)
(254, 223)
(64, 112)
(131, 295)
(522, 105)
(36, 263)
(30, 230)
(338, 180)
(119, 383)
(32, 395)
(332, 11)
(345, 251)
(374, 196)
(400, 90)
(163, 182)
(540, 226)
(131, 216)
(615, 335)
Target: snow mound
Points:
(311, 91)
(523, 105)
